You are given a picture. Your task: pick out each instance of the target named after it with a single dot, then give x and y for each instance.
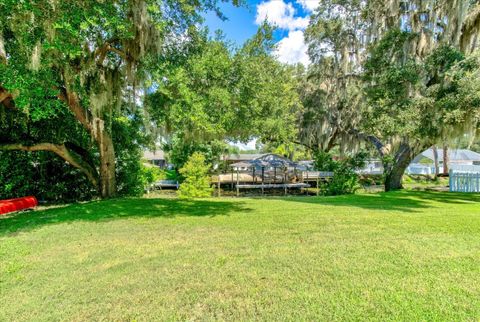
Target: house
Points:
(458, 159)
(458, 156)
(156, 158)
(372, 167)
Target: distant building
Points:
(306, 165)
(458, 159)
(458, 156)
(156, 158)
(239, 157)
(373, 166)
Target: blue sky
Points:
(290, 16)
(240, 24)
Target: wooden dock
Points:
(313, 176)
(267, 186)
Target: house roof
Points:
(154, 155)
(453, 155)
(242, 157)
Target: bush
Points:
(345, 180)
(150, 174)
(41, 174)
(196, 181)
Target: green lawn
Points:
(396, 256)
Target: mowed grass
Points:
(397, 256)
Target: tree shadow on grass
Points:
(405, 200)
(118, 209)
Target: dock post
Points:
(263, 179)
(238, 192)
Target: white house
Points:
(458, 159)
(373, 166)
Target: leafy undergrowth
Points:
(389, 256)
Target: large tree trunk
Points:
(394, 172)
(445, 160)
(108, 185)
(102, 135)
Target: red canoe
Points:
(17, 204)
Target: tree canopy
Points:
(220, 94)
(393, 75)
(94, 81)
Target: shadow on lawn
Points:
(118, 209)
(405, 200)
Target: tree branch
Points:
(381, 148)
(62, 151)
(470, 28)
(6, 98)
(102, 51)
(332, 140)
(73, 103)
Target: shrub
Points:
(345, 180)
(149, 174)
(196, 181)
(41, 174)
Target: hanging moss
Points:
(36, 57)
(3, 54)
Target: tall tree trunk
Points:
(101, 134)
(394, 172)
(107, 184)
(445, 160)
(435, 160)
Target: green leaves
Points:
(196, 182)
(219, 94)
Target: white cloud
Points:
(309, 5)
(280, 14)
(292, 49)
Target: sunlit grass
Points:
(396, 256)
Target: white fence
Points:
(464, 181)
